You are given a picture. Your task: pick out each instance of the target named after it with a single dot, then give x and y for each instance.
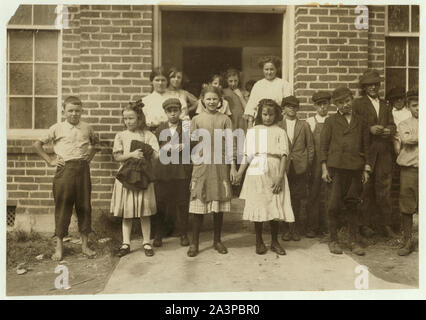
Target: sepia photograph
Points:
(202, 148)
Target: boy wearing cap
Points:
(172, 174)
(301, 155)
(379, 119)
(315, 220)
(408, 160)
(345, 166)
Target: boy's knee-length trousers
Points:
(72, 187)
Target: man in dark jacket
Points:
(379, 119)
(344, 153)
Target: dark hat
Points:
(413, 94)
(321, 95)
(395, 93)
(370, 77)
(172, 102)
(341, 92)
(290, 100)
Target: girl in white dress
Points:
(265, 189)
(126, 203)
(270, 87)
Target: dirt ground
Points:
(89, 276)
(86, 276)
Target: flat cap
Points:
(370, 77)
(395, 93)
(413, 94)
(341, 92)
(290, 100)
(321, 95)
(172, 102)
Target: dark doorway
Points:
(200, 63)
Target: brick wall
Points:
(329, 51)
(107, 58)
(376, 40)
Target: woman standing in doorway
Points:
(270, 87)
(153, 102)
(176, 79)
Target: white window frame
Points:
(405, 35)
(33, 133)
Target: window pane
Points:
(413, 78)
(21, 45)
(22, 15)
(395, 78)
(46, 46)
(21, 78)
(45, 112)
(395, 52)
(398, 18)
(20, 114)
(44, 15)
(46, 79)
(415, 18)
(413, 52)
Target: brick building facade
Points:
(108, 51)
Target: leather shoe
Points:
(184, 242)
(276, 247)
(355, 248)
(124, 250)
(148, 250)
(192, 251)
(334, 247)
(310, 234)
(406, 249)
(295, 236)
(219, 247)
(261, 248)
(286, 236)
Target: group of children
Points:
(286, 162)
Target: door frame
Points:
(287, 32)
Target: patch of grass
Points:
(23, 247)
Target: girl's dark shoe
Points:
(125, 249)
(261, 248)
(192, 251)
(219, 247)
(295, 236)
(276, 247)
(148, 250)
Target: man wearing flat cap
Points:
(315, 218)
(344, 156)
(379, 119)
(300, 157)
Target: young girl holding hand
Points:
(265, 189)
